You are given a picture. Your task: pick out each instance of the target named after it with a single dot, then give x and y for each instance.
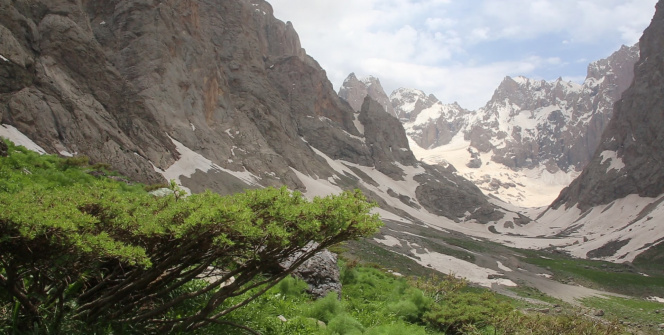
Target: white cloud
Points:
(453, 48)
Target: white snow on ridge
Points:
(616, 163)
(3, 58)
(11, 133)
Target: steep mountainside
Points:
(616, 202)
(529, 141)
(214, 94)
(630, 155)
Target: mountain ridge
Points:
(540, 133)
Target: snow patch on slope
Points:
(191, 161)
(11, 133)
(633, 222)
(526, 187)
(616, 163)
(460, 268)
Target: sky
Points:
(460, 50)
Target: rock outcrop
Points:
(354, 90)
(321, 273)
(630, 155)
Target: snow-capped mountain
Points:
(529, 141)
(427, 121)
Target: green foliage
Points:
(345, 324)
(462, 312)
(76, 161)
(633, 310)
(291, 287)
(619, 278)
(326, 309)
(74, 247)
(397, 329)
(412, 306)
(566, 324)
(152, 187)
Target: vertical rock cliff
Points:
(630, 155)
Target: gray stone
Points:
(321, 272)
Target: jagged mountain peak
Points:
(355, 89)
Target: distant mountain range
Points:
(535, 133)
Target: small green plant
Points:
(344, 324)
(326, 309)
(76, 161)
(152, 187)
(291, 287)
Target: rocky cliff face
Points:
(214, 94)
(354, 90)
(428, 122)
(118, 80)
(629, 157)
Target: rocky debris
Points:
(321, 272)
(598, 312)
(628, 158)
(3, 148)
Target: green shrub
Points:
(326, 309)
(107, 254)
(345, 324)
(76, 161)
(348, 276)
(396, 329)
(412, 307)
(291, 287)
(462, 312)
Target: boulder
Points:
(321, 272)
